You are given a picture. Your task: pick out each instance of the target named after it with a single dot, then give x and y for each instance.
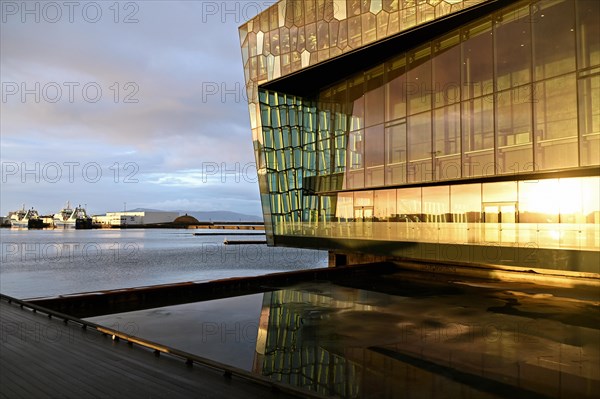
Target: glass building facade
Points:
(475, 125)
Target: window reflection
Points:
(385, 205)
(409, 205)
(534, 203)
(465, 200)
(395, 144)
(436, 204)
(513, 48)
(556, 123)
(363, 205)
(554, 38)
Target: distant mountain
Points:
(211, 216)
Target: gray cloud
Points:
(162, 104)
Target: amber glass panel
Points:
(478, 136)
(345, 207)
(446, 70)
(418, 84)
(357, 119)
(322, 35)
(556, 123)
(553, 24)
(354, 32)
(363, 205)
(539, 201)
(419, 147)
(477, 59)
(513, 128)
(374, 155)
(395, 147)
(395, 89)
(436, 203)
(588, 33)
(591, 199)
(355, 150)
(447, 146)
(374, 146)
(385, 205)
(465, 202)
(409, 204)
(513, 48)
(499, 192)
(374, 96)
(419, 136)
(589, 120)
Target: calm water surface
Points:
(37, 263)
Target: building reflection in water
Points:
(431, 341)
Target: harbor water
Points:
(40, 263)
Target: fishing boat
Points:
(26, 219)
(72, 218)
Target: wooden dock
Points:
(46, 355)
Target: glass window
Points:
(363, 205)
(554, 38)
(418, 85)
(447, 146)
(556, 123)
(446, 70)
(395, 146)
(358, 112)
(465, 202)
(513, 121)
(345, 207)
(355, 150)
(539, 201)
(588, 33)
(419, 148)
(395, 143)
(589, 120)
(374, 97)
(374, 155)
(395, 89)
(499, 192)
(374, 150)
(571, 200)
(419, 136)
(385, 205)
(477, 61)
(478, 136)
(409, 204)
(355, 158)
(591, 199)
(436, 203)
(513, 48)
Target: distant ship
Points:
(69, 218)
(26, 219)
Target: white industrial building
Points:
(133, 218)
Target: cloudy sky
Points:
(128, 104)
